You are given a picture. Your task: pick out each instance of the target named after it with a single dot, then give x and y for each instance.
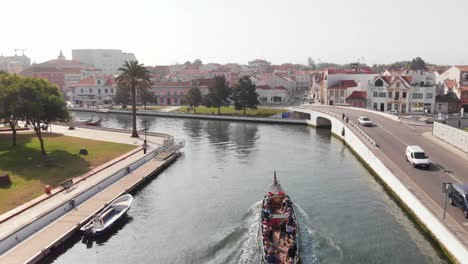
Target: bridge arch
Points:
(323, 122)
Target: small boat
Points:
(93, 123)
(278, 232)
(108, 215)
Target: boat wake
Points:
(239, 245)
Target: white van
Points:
(416, 156)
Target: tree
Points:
(40, 101)
(145, 96)
(122, 95)
(219, 94)
(8, 97)
(193, 98)
(134, 75)
(244, 94)
(417, 64)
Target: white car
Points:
(393, 112)
(417, 157)
(365, 121)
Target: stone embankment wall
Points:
(454, 136)
(439, 231)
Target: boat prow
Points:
(278, 232)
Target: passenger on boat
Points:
(292, 252)
(290, 231)
(269, 247)
(271, 258)
(282, 235)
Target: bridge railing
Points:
(355, 126)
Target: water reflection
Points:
(193, 127)
(244, 136)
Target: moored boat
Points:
(108, 216)
(278, 232)
(93, 123)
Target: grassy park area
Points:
(28, 171)
(231, 111)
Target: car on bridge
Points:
(458, 196)
(365, 121)
(417, 157)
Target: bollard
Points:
(48, 189)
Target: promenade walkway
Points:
(20, 217)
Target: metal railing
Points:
(355, 126)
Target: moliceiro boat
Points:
(108, 215)
(278, 233)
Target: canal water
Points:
(204, 208)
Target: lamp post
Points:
(146, 129)
(446, 188)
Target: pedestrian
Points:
(347, 119)
(145, 146)
(342, 117)
(292, 252)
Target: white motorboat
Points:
(108, 215)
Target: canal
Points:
(204, 208)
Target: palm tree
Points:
(133, 75)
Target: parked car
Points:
(393, 112)
(311, 101)
(365, 121)
(416, 156)
(458, 196)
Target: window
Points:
(374, 94)
(464, 95)
(428, 95)
(382, 94)
(389, 107)
(379, 82)
(90, 90)
(398, 85)
(390, 94)
(397, 95)
(375, 106)
(440, 106)
(99, 90)
(175, 93)
(112, 90)
(417, 96)
(421, 83)
(465, 76)
(417, 107)
(81, 90)
(98, 82)
(168, 93)
(403, 95)
(106, 90)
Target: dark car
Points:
(458, 196)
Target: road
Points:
(392, 137)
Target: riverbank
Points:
(200, 116)
(447, 234)
(113, 178)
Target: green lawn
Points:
(27, 169)
(231, 111)
(466, 129)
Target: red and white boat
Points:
(278, 233)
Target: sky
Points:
(173, 31)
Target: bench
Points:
(67, 184)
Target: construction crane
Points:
(22, 50)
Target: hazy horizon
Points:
(339, 31)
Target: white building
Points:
(272, 95)
(14, 64)
(108, 60)
(273, 80)
(332, 77)
(405, 94)
(93, 91)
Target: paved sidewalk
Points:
(33, 247)
(24, 218)
(170, 108)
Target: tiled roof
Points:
(408, 79)
(350, 71)
(170, 84)
(37, 68)
(450, 83)
(86, 82)
(358, 95)
(344, 84)
(110, 81)
(462, 67)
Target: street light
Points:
(446, 188)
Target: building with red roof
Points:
(455, 80)
(93, 91)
